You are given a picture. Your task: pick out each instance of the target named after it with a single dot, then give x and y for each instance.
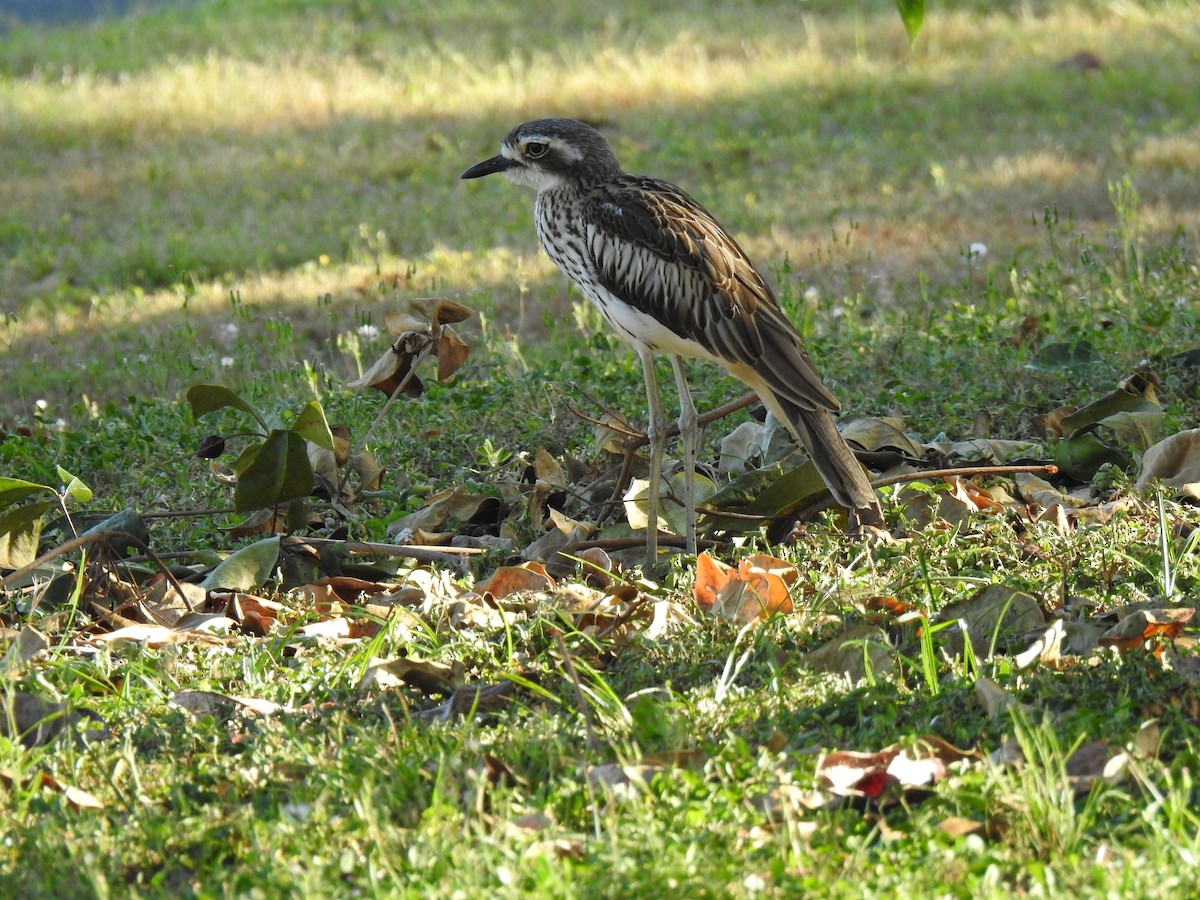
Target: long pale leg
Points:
(689, 436)
(656, 433)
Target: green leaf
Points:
(312, 426)
(912, 14)
(278, 471)
(1119, 401)
(246, 570)
(127, 521)
(20, 530)
(776, 490)
(14, 489)
(1080, 457)
(206, 398)
(1064, 355)
(75, 488)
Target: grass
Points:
(233, 193)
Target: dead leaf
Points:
(425, 675)
(852, 651)
(1145, 624)
(155, 636)
(34, 721)
(27, 645)
(547, 469)
(1096, 761)
(1175, 461)
(996, 614)
(1046, 648)
(756, 590)
(452, 352)
(506, 580)
(77, 798)
(994, 698)
(211, 703)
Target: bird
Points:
(668, 278)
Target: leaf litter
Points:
(566, 559)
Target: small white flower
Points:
(230, 329)
(368, 330)
(811, 293)
(227, 362)
(977, 251)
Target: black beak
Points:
(488, 166)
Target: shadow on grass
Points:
(863, 185)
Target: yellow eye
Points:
(536, 149)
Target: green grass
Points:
(229, 192)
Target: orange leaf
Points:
(529, 576)
(711, 577)
(756, 590)
(1145, 624)
(451, 352)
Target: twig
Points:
(971, 471)
(99, 537)
(420, 552)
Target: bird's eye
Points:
(536, 149)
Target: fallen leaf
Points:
(1145, 624)
(27, 645)
(756, 590)
(211, 703)
(994, 615)
(1175, 461)
(77, 798)
(853, 652)
(506, 580)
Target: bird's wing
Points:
(661, 252)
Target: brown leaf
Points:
(77, 798)
(452, 352)
(956, 826)
(33, 721)
(756, 590)
(851, 651)
(1145, 624)
(211, 703)
(1095, 761)
(368, 469)
(1051, 422)
(995, 613)
(427, 676)
(597, 567)
(27, 645)
(1176, 462)
(441, 311)
(528, 576)
(395, 367)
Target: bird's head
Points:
(547, 153)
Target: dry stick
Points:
(971, 471)
(100, 537)
(637, 440)
(419, 552)
(614, 544)
(584, 711)
(642, 600)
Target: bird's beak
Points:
(488, 166)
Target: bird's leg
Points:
(657, 436)
(689, 435)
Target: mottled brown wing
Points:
(661, 252)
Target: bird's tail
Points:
(842, 472)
